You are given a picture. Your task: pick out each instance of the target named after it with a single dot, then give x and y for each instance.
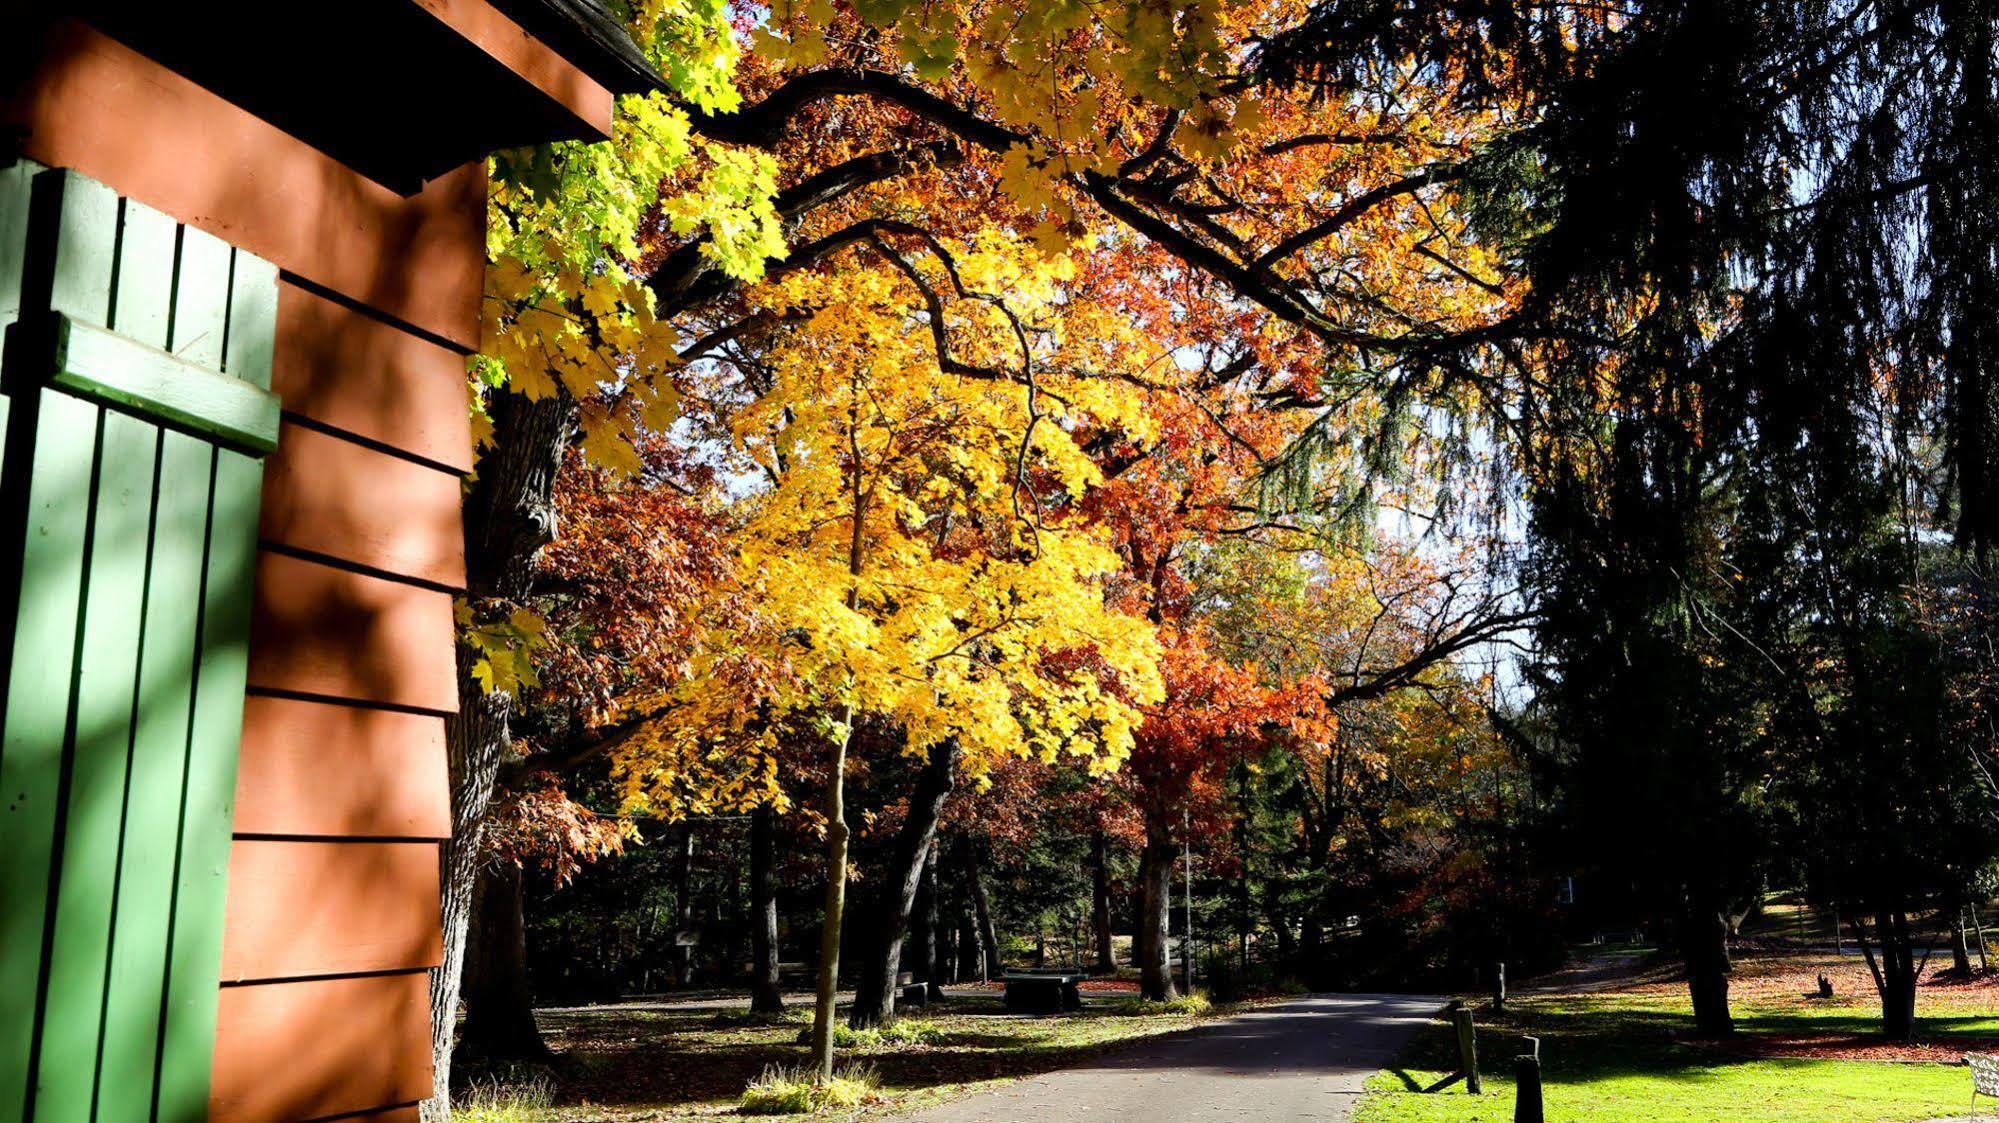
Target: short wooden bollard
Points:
(1467, 1049)
(1498, 987)
(1527, 1084)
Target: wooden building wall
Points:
(342, 797)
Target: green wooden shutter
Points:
(136, 379)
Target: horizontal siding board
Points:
(315, 768)
(408, 1113)
(331, 496)
(302, 1050)
(330, 632)
(354, 373)
(329, 907)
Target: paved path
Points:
(1302, 1060)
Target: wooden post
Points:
(1499, 987)
(1467, 1049)
(1527, 1084)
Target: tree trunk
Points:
(509, 515)
(499, 1007)
(828, 983)
(683, 906)
(930, 948)
(1704, 950)
(1141, 935)
(1960, 947)
(971, 953)
(1100, 902)
(1896, 976)
(1279, 920)
(874, 993)
(949, 929)
(1155, 975)
(982, 912)
(766, 996)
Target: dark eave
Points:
(401, 91)
(591, 38)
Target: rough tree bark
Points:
(683, 904)
(895, 899)
(971, 954)
(509, 516)
(1703, 934)
(1155, 975)
(1100, 902)
(499, 1006)
(930, 946)
(982, 912)
(1895, 969)
(766, 996)
(827, 989)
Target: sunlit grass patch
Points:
(1633, 1058)
(505, 1099)
(1194, 1004)
(902, 1031)
(798, 1091)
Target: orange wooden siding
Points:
(318, 1047)
(328, 907)
(334, 633)
(345, 370)
(346, 501)
(326, 770)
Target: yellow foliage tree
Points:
(914, 540)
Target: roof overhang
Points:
(401, 91)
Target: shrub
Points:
(900, 1032)
(1193, 1004)
(910, 1033)
(796, 1091)
(1227, 982)
(515, 1099)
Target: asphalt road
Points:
(1302, 1060)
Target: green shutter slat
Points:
(143, 307)
(146, 909)
(82, 1011)
(16, 186)
(253, 317)
(207, 812)
(139, 960)
(38, 689)
(93, 810)
(111, 368)
(54, 437)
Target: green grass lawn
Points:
(1627, 1057)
